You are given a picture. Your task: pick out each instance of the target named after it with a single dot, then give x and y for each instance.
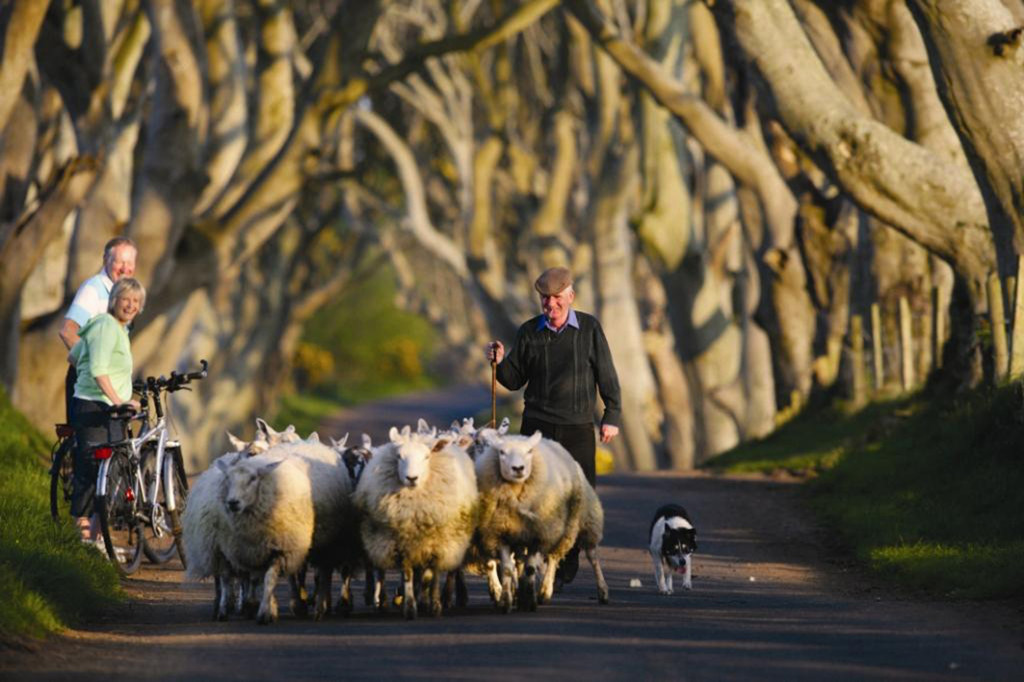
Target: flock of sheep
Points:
(425, 503)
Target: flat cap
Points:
(553, 281)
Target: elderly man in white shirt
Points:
(92, 297)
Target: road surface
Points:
(769, 602)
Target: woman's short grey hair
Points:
(126, 285)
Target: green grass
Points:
(360, 347)
(48, 578)
(930, 495)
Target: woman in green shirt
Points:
(103, 358)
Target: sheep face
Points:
(355, 460)
(413, 463)
(515, 457)
(242, 484)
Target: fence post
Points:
(997, 319)
(857, 344)
(1017, 340)
(876, 345)
(906, 350)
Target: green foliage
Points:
(929, 494)
(371, 341)
(48, 578)
(360, 347)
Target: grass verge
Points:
(929, 494)
(48, 578)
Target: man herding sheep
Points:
(561, 355)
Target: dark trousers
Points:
(69, 391)
(92, 427)
(578, 439)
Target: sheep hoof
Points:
(410, 611)
(602, 597)
(436, 609)
(265, 618)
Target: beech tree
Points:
(729, 182)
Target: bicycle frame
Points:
(157, 434)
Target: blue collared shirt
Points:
(571, 322)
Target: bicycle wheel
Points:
(174, 459)
(61, 467)
(157, 533)
(120, 522)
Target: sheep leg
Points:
(507, 572)
(224, 591)
(602, 586)
(251, 595)
(493, 582)
(380, 591)
(323, 591)
(435, 593)
(268, 605)
(422, 577)
(409, 593)
(547, 584)
(371, 597)
(345, 605)
(297, 604)
(449, 590)
(300, 578)
(527, 593)
(461, 590)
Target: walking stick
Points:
(494, 392)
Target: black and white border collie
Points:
(673, 540)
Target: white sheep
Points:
(418, 502)
(335, 540)
(269, 520)
(535, 504)
(203, 527)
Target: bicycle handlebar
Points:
(174, 383)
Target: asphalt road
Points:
(769, 601)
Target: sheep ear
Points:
(263, 427)
(534, 439)
(394, 436)
(422, 427)
(406, 431)
(366, 441)
(257, 447)
(439, 445)
(503, 428)
(341, 443)
(455, 425)
(267, 468)
(489, 436)
(468, 422)
(313, 437)
(237, 443)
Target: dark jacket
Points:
(561, 370)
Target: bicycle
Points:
(61, 468)
(141, 487)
